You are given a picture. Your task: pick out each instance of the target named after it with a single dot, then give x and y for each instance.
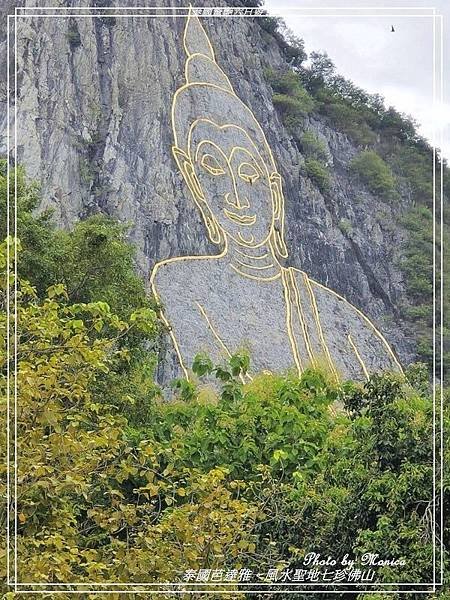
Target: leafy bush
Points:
(350, 121)
(283, 82)
(269, 24)
(230, 433)
(415, 167)
(417, 267)
(319, 73)
(292, 47)
(291, 99)
(94, 262)
(90, 507)
(313, 146)
(397, 127)
(374, 172)
(345, 226)
(318, 173)
(354, 480)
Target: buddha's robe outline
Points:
(291, 308)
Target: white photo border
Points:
(11, 426)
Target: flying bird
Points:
(392, 29)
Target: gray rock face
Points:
(94, 127)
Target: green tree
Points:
(290, 97)
(313, 146)
(374, 172)
(318, 173)
(93, 260)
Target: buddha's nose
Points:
(233, 199)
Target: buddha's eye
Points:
(248, 172)
(212, 165)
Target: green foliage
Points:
(95, 263)
(351, 481)
(350, 109)
(315, 162)
(318, 173)
(251, 475)
(93, 260)
(290, 97)
(269, 24)
(358, 114)
(350, 121)
(345, 226)
(91, 507)
(275, 421)
(374, 494)
(283, 82)
(374, 172)
(320, 71)
(417, 267)
(313, 147)
(414, 166)
(293, 108)
(292, 47)
(398, 127)
(418, 257)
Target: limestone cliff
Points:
(93, 127)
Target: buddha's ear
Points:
(187, 170)
(277, 195)
(277, 236)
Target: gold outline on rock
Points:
(289, 325)
(258, 268)
(301, 316)
(315, 310)
(257, 257)
(241, 219)
(358, 356)
(367, 320)
(218, 338)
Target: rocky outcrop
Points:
(93, 127)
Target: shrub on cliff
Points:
(415, 167)
(290, 97)
(349, 120)
(318, 173)
(374, 172)
(313, 146)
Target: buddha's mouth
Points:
(241, 219)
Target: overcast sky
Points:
(397, 65)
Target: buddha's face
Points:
(231, 177)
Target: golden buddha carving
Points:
(242, 297)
